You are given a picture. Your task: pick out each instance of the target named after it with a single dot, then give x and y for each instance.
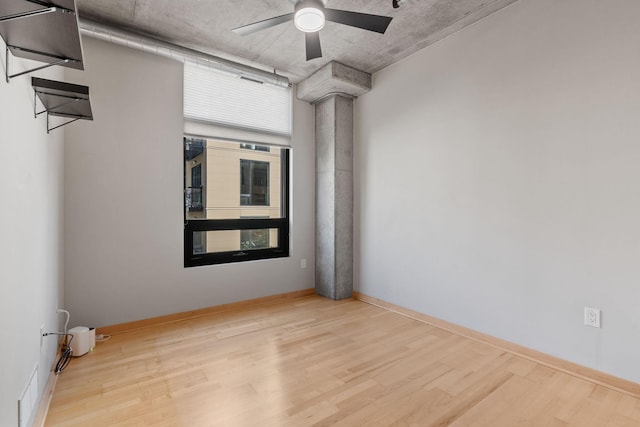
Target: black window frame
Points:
(281, 224)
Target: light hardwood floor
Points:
(312, 361)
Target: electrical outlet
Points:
(592, 317)
(41, 335)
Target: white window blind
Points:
(215, 98)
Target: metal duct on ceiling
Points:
(178, 53)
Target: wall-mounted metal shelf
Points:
(62, 100)
(41, 30)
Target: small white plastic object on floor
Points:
(81, 342)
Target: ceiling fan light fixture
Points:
(309, 16)
(309, 19)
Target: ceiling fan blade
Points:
(262, 25)
(365, 21)
(313, 45)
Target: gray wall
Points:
(497, 180)
(30, 238)
(123, 200)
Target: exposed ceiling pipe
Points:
(179, 53)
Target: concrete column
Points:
(334, 197)
(332, 89)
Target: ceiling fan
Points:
(309, 16)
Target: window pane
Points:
(234, 240)
(199, 243)
(230, 180)
(255, 239)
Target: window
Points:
(236, 172)
(196, 176)
(254, 147)
(243, 202)
(193, 193)
(193, 153)
(254, 183)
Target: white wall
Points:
(30, 237)
(123, 200)
(498, 184)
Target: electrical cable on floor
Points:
(65, 357)
(102, 337)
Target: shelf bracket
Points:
(70, 99)
(58, 61)
(49, 129)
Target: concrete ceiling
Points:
(206, 25)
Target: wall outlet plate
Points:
(592, 317)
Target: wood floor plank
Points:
(315, 362)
